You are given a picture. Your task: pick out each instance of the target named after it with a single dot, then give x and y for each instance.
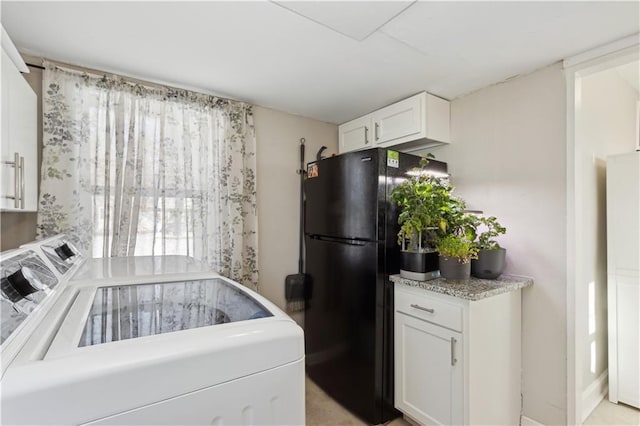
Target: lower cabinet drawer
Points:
(430, 309)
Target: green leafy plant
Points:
(458, 247)
(492, 229)
(428, 210)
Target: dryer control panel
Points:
(25, 281)
(60, 253)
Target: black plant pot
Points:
(489, 264)
(451, 269)
(418, 266)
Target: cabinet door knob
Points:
(377, 126)
(430, 310)
(453, 351)
(366, 135)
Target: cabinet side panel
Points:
(494, 379)
(438, 115)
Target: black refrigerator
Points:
(351, 249)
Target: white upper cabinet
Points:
(415, 123)
(356, 134)
(19, 158)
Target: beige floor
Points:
(608, 413)
(322, 410)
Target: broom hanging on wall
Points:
(294, 284)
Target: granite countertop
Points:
(472, 289)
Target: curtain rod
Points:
(133, 80)
(40, 67)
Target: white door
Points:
(399, 120)
(623, 268)
(19, 136)
(628, 327)
(355, 134)
(428, 372)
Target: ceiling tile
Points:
(355, 19)
(264, 54)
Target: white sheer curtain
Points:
(132, 170)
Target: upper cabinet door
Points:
(19, 141)
(401, 120)
(355, 134)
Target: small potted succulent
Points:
(491, 257)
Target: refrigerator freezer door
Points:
(342, 196)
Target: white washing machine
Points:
(144, 341)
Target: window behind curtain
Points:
(131, 170)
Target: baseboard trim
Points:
(526, 421)
(593, 394)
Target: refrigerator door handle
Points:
(349, 242)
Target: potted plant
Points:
(428, 211)
(456, 253)
(491, 257)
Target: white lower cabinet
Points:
(457, 361)
(429, 374)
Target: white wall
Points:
(605, 125)
(278, 137)
(508, 158)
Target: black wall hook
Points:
(319, 154)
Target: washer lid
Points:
(133, 311)
(137, 266)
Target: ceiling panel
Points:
(265, 54)
(355, 19)
(497, 40)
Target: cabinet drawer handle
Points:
(366, 135)
(376, 131)
(17, 186)
(453, 351)
(431, 311)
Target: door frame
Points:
(575, 68)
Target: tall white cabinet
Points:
(623, 277)
(19, 158)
